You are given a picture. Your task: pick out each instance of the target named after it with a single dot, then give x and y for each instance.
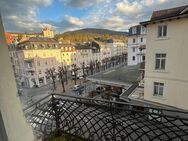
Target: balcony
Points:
(99, 120)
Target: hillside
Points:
(98, 31)
(89, 34)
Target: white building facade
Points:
(166, 77)
(136, 45)
(116, 47)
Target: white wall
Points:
(136, 45)
(175, 76)
(15, 123)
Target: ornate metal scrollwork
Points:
(85, 118)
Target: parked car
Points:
(77, 87)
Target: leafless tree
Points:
(51, 73)
(61, 76)
(74, 72)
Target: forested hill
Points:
(89, 34)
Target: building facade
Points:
(117, 47)
(166, 78)
(68, 55)
(87, 53)
(32, 58)
(136, 45)
(16, 37)
(48, 32)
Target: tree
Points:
(65, 73)
(91, 67)
(61, 76)
(51, 73)
(74, 72)
(83, 69)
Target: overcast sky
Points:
(65, 15)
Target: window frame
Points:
(160, 61)
(158, 89)
(163, 32)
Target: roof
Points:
(40, 39)
(92, 45)
(167, 14)
(83, 46)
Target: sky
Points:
(68, 15)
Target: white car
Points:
(77, 87)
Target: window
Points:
(162, 31)
(133, 58)
(46, 63)
(40, 72)
(134, 40)
(141, 39)
(158, 89)
(160, 60)
(134, 30)
(134, 49)
(143, 30)
(143, 58)
(38, 63)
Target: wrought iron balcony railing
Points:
(99, 120)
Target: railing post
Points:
(112, 112)
(55, 112)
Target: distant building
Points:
(87, 53)
(166, 77)
(31, 58)
(48, 32)
(15, 37)
(68, 54)
(136, 45)
(117, 47)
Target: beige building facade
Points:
(32, 58)
(166, 77)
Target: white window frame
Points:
(158, 89)
(160, 58)
(134, 49)
(163, 34)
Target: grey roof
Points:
(40, 39)
(168, 14)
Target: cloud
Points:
(73, 20)
(140, 10)
(21, 15)
(82, 3)
(67, 23)
(128, 8)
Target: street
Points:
(31, 95)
